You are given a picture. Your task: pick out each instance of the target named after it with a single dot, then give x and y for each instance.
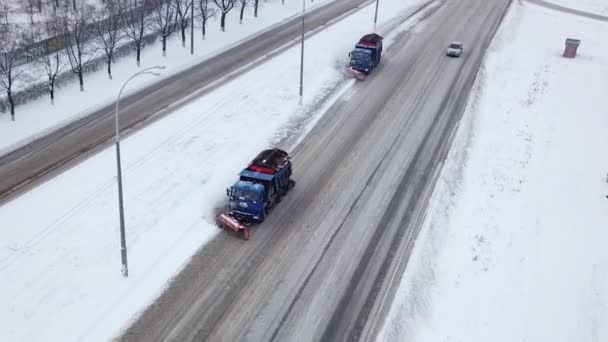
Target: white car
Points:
(454, 49)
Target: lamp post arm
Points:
(141, 72)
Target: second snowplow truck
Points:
(365, 57)
(260, 187)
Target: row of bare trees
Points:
(8, 73)
(77, 33)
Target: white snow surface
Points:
(59, 243)
(37, 117)
(514, 244)
(18, 11)
(592, 6)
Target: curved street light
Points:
(154, 71)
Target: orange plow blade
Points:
(354, 73)
(230, 223)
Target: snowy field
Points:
(25, 12)
(514, 246)
(591, 6)
(59, 246)
(38, 116)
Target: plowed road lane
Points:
(325, 263)
(46, 156)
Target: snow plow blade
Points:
(354, 73)
(229, 223)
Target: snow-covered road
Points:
(321, 265)
(60, 245)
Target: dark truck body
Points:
(260, 187)
(366, 55)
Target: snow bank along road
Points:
(32, 163)
(324, 265)
(580, 13)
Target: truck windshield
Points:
(360, 56)
(455, 46)
(244, 195)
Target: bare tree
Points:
(54, 5)
(11, 49)
(53, 58)
(206, 11)
(76, 34)
(243, 4)
(53, 62)
(225, 6)
(107, 22)
(165, 20)
(30, 6)
(4, 10)
(255, 8)
(136, 22)
(183, 8)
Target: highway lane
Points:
(52, 153)
(325, 264)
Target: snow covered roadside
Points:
(591, 6)
(38, 116)
(59, 243)
(513, 248)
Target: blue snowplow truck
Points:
(260, 187)
(365, 57)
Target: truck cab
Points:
(247, 200)
(361, 59)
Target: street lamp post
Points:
(376, 13)
(155, 71)
(302, 53)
